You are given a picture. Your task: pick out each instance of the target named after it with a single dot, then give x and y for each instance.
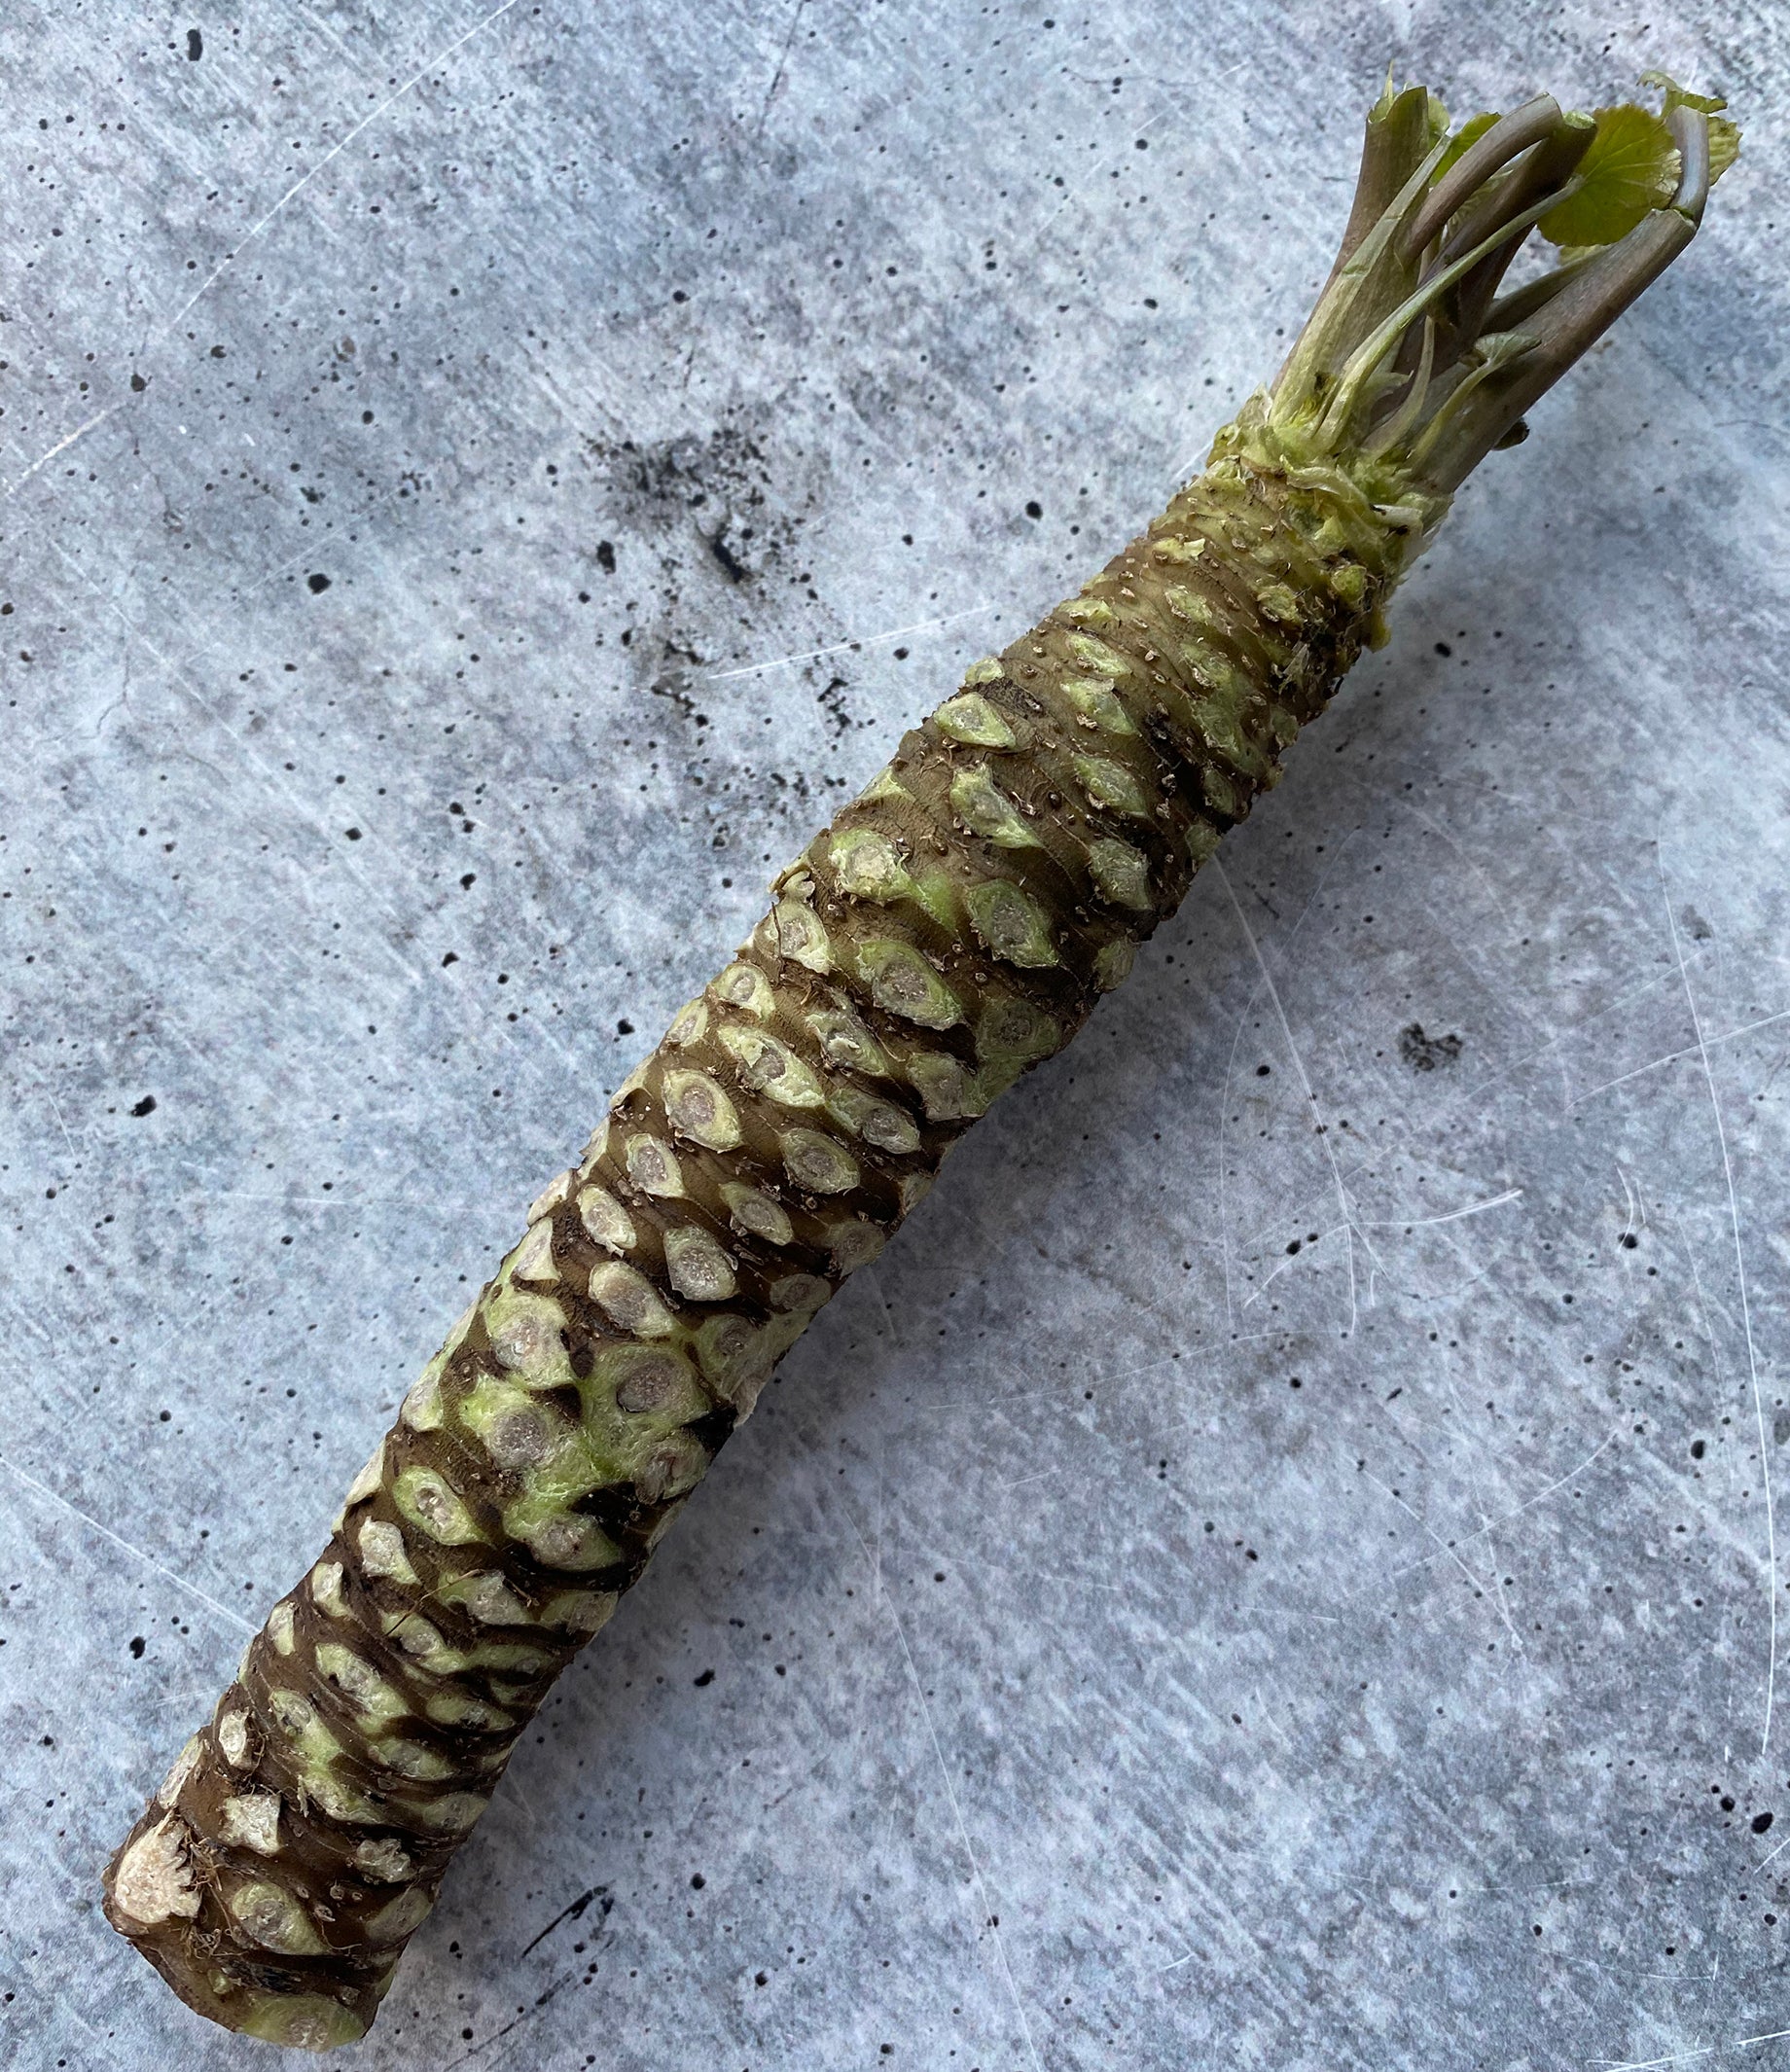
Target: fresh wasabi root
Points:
(953, 926)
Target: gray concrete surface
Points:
(481, 481)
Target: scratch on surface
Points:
(1406, 1224)
(105, 1532)
(177, 676)
(1286, 1030)
(1541, 1496)
(1483, 1587)
(1747, 1316)
(989, 1918)
(839, 647)
(777, 78)
(62, 447)
(963, 1836)
(299, 185)
(1692, 1049)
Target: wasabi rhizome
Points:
(955, 924)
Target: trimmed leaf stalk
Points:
(953, 926)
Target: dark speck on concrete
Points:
(1426, 1053)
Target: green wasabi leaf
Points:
(1630, 169)
(1469, 132)
(1724, 137)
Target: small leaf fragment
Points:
(1630, 169)
(1724, 136)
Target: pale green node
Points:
(185, 1764)
(817, 1163)
(755, 1213)
(365, 1483)
(844, 1041)
(296, 1718)
(605, 1218)
(1122, 874)
(580, 1611)
(972, 719)
(1201, 841)
(672, 1467)
(655, 1382)
(557, 1190)
(423, 1643)
(869, 866)
(744, 986)
(559, 1538)
(251, 1821)
(452, 1709)
(453, 1813)
(730, 1351)
(1012, 923)
(901, 982)
(877, 1121)
(1095, 655)
(407, 1760)
(533, 1258)
(339, 1798)
(421, 1408)
(630, 1300)
(690, 1025)
(426, 1500)
(326, 1588)
(378, 1702)
(698, 1268)
(1349, 582)
(1215, 668)
(1087, 611)
(699, 1106)
(938, 1079)
(936, 890)
(279, 1627)
(270, 1917)
(383, 1553)
(485, 1595)
(1010, 1028)
(507, 1654)
(885, 785)
(1111, 785)
(379, 1856)
(302, 2022)
(914, 1190)
(515, 1428)
(984, 808)
(986, 671)
(1220, 792)
(800, 937)
(526, 1334)
(1171, 549)
(398, 1917)
(1194, 604)
(1281, 602)
(654, 1168)
(1097, 702)
(1220, 719)
(771, 1068)
(1113, 966)
(854, 1245)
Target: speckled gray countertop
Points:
(1276, 1568)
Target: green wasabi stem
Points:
(957, 924)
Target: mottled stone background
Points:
(1276, 1568)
